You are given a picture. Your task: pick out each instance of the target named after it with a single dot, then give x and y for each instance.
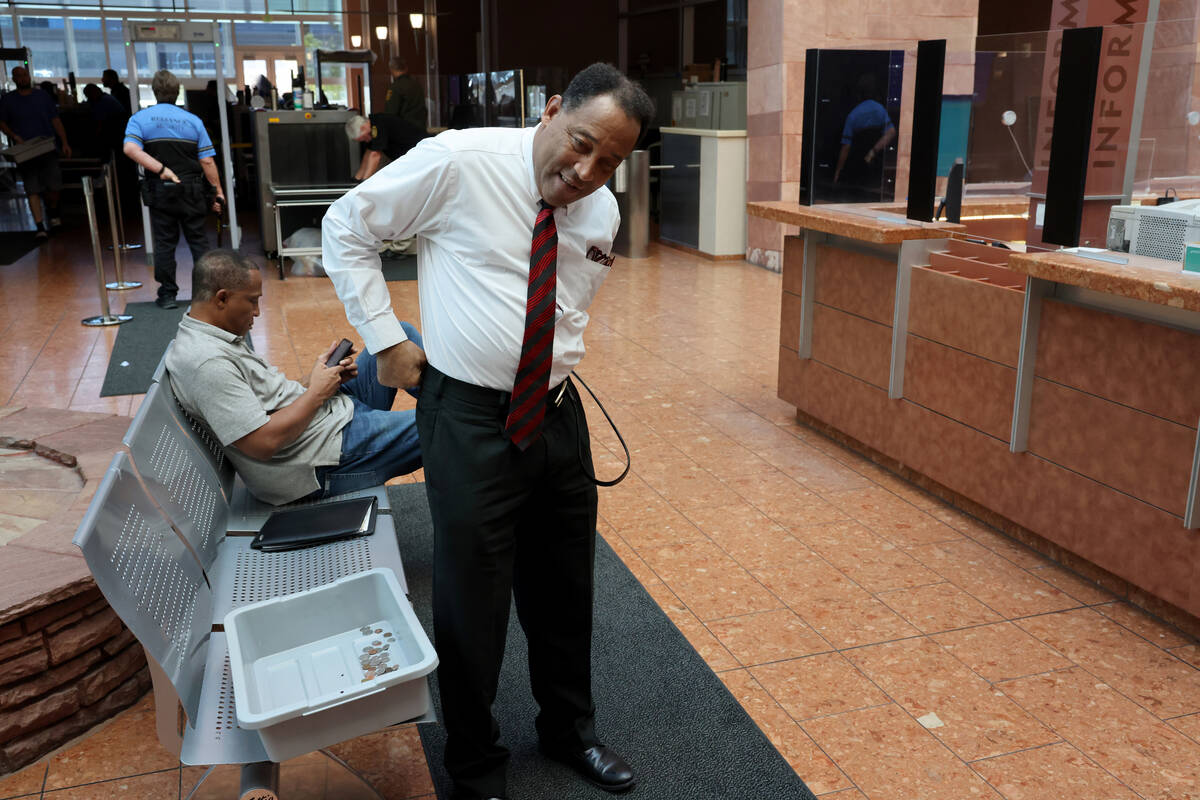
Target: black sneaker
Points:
(40, 234)
(55, 222)
(166, 301)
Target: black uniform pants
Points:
(173, 208)
(508, 524)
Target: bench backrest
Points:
(204, 439)
(178, 474)
(150, 579)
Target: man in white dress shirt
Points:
(512, 227)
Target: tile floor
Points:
(889, 645)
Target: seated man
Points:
(285, 440)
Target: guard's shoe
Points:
(55, 222)
(40, 234)
(166, 301)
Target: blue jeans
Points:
(377, 444)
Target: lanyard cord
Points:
(583, 462)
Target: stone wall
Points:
(67, 662)
(63, 669)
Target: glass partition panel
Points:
(1006, 97)
(507, 97)
(1168, 147)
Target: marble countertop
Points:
(999, 205)
(713, 132)
(1153, 280)
(860, 222)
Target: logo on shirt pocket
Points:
(599, 256)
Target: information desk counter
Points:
(1051, 394)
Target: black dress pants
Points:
(508, 524)
(165, 225)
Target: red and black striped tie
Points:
(527, 405)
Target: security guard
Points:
(387, 138)
(405, 97)
(180, 181)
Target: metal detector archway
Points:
(188, 33)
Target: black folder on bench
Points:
(307, 526)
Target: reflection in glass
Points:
(506, 97)
(854, 126)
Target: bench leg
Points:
(260, 781)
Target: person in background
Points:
(51, 91)
(111, 81)
(26, 114)
(387, 138)
(405, 97)
(333, 434)
(109, 115)
(173, 148)
(511, 227)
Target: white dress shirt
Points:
(471, 199)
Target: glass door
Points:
(280, 67)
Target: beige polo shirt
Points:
(233, 390)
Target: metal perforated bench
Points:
(183, 481)
(155, 584)
(172, 559)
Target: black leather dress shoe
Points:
(599, 766)
(166, 301)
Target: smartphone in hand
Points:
(339, 352)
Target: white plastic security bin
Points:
(328, 664)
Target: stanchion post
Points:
(120, 212)
(120, 284)
(106, 317)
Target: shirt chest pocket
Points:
(579, 279)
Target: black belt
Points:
(453, 387)
(440, 383)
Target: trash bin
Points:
(631, 185)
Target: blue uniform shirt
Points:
(29, 115)
(867, 114)
(173, 135)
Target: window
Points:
(90, 57)
(170, 55)
(204, 63)
(267, 34)
(115, 35)
(47, 38)
(325, 36)
(231, 6)
(304, 6)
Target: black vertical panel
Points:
(1071, 140)
(954, 192)
(927, 122)
(808, 134)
